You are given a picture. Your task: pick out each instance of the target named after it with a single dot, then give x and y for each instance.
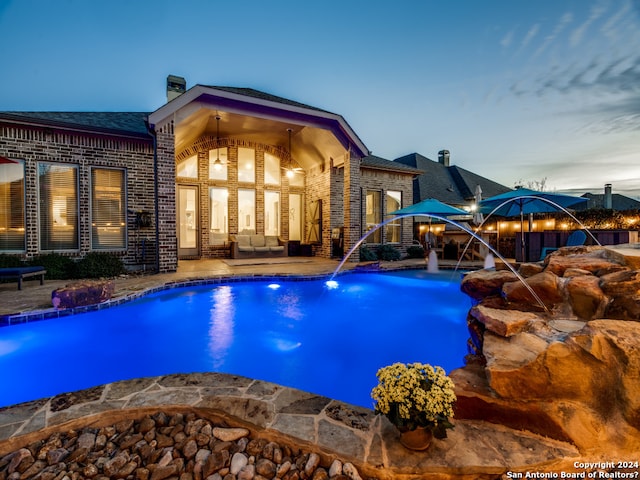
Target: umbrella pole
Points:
(522, 235)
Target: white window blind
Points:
(12, 200)
(108, 209)
(58, 206)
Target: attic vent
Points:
(176, 86)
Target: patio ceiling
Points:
(317, 136)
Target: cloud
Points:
(531, 34)
(507, 39)
(576, 36)
(565, 20)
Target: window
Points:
(373, 216)
(108, 209)
(219, 208)
(58, 202)
(295, 216)
(271, 213)
(188, 167)
(246, 211)
(12, 203)
(297, 179)
(218, 162)
(246, 165)
(271, 169)
(393, 229)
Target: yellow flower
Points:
(415, 394)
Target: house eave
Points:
(265, 108)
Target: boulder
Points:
(624, 289)
(546, 286)
(592, 259)
(88, 292)
(586, 298)
(570, 373)
(505, 323)
(485, 283)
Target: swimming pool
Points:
(301, 334)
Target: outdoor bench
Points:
(20, 273)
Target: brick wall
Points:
(383, 181)
(135, 156)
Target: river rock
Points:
(238, 461)
(229, 434)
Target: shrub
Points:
(100, 265)
(367, 255)
(8, 261)
(58, 266)
(388, 253)
(415, 251)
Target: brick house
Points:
(179, 182)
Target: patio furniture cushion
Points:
(271, 241)
(258, 241)
(243, 240)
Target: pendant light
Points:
(289, 170)
(217, 165)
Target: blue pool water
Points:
(302, 334)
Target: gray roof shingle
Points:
(379, 163)
(114, 122)
(618, 202)
(449, 184)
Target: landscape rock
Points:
(88, 292)
(503, 322)
(119, 458)
(485, 283)
(586, 298)
(570, 373)
(546, 286)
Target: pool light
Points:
(331, 284)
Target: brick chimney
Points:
(608, 198)
(176, 86)
(443, 157)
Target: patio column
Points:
(167, 247)
(352, 203)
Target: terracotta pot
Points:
(418, 439)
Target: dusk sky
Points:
(518, 91)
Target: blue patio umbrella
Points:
(430, 206)
(523, 201)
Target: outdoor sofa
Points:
(20, 273)
(255, 245)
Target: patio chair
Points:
(575, 239)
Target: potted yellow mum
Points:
(417, 398)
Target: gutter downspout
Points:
(156, 211)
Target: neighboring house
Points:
(177, 183)
(448, 183)
(609, 200)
